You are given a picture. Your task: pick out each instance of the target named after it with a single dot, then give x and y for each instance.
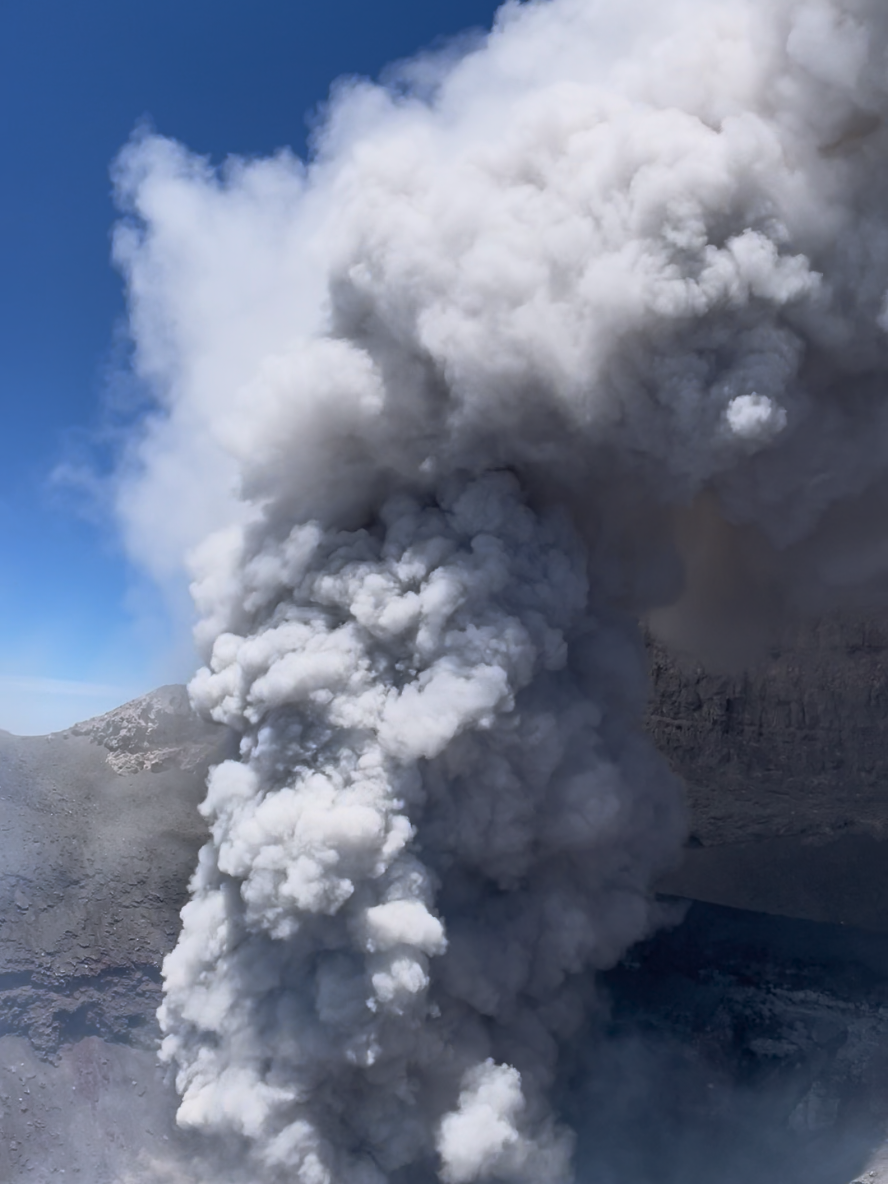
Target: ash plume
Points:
(583, 325)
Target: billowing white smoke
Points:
(440, 818)
(443, 404)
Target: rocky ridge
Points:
(101, 832)
(154, 733)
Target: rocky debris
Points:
(158, 731)
(115, 1004)
(103, 1113)
(797, 746)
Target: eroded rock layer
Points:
(786, 768)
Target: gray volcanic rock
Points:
(101, 1112)
(796, 746)
(786, 769)
(740, 1047)
(100, 836)
(101, 831)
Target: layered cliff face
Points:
(786, 769)
(768, 1036)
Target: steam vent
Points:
(747, 1038)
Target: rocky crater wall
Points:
(785, 774)
(786, 769)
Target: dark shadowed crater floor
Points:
(748, 1043)
(741, 1047)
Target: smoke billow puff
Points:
(437, 416)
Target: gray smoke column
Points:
(551, 334)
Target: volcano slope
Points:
(748, 1041)
(100, 833)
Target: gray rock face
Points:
(100, 833)
(100, 830)
(786, 770)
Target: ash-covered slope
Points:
(100, 832)
(99, 837)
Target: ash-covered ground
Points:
(741, 1044)
(100, 832)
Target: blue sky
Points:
(79, 630)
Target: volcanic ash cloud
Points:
(440, 417)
